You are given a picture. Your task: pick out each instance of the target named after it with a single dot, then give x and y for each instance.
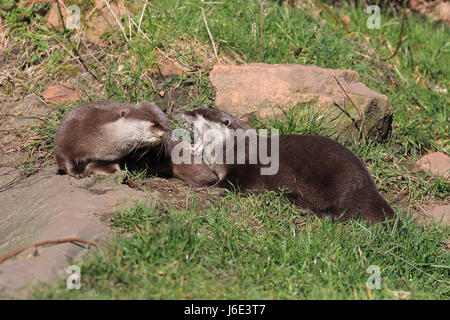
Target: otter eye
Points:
(123, 113)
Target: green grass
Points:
(259, 246)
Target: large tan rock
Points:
(260, 89)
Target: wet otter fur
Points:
(321, 174)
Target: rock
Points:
(435, 10)
(2, 35)
(166, 68)
(345, 18)
(2, 31)
(54, 19)
(99, 21)
(47, 206)
(61, 93)
(259, 89)
(441, 213)
(436, 163)
(104, 21)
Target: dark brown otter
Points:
(94, 137)
(320, 173)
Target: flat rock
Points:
(61, 93)
(260, 89)
(436, 163)
(47, 206)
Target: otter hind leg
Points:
(99, 167)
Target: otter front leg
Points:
(75, 168)
(99, 167)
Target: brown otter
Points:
(320, 173)
(94, 137)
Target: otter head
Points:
(132, 129)
(211, 126)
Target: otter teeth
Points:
(197, 145)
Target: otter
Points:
(94, 137)
(319, 173)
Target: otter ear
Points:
(227, 123)
(123, 113)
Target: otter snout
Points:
(160, 133)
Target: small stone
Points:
(436, 163)
(99, 22)
(53, 17)
(345, 18)
(435, 10)
(61, 93)
(104, 21)
(166, 68)
(441, 213)
(1, 27)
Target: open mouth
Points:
(197, 145)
